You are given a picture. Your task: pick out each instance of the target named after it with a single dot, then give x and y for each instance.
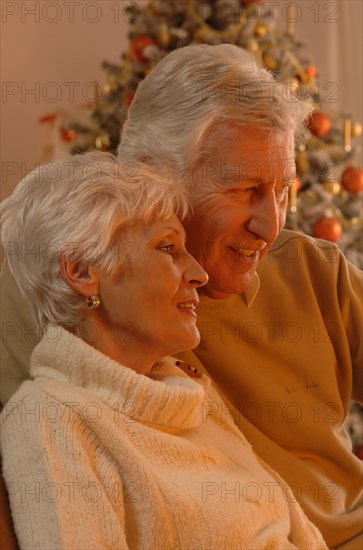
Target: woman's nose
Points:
(195, 274)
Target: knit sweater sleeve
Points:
(303, 533)
(69, 494)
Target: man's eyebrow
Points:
(256, 181)
(236, 178)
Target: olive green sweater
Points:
(287, 356)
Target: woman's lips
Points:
(189, 307)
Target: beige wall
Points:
(40, 55)
(60, 44)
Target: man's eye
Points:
(282, 191)
(168, 248)
(239, 192)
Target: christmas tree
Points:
(325, 199)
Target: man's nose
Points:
(264, 220)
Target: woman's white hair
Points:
(83, 209)
(197, 92)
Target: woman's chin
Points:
(185, 344)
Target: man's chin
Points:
(220, 289)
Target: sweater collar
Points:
(247, 296)
(250, 293)
(168, 398)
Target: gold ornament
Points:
(293, 195)
(252, 45)
(302, 160)
(356, 129)
(293, 83)
(347, 134)
(292, 87)
(202, 34)
(332, 187)
(103, 142)
(110, 87)
(354, 222)
(270, 61)
(260, 29)
(164, 35)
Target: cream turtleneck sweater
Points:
(96, 456)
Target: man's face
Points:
(240, 202)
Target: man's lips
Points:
(248, 253)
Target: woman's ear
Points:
(79, 277)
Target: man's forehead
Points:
(255, 152)
(259, 171)
(248, 145)
(256, 149)
(256, 172)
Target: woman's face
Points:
(148, 309)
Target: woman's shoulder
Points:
(39, 402)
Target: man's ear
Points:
(80, 277)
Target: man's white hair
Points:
(196, 93)
(82, 208)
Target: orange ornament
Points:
(352, 179)
(67, 135)
(319, 124)
(138, 45)
(298, 183)
(311, 71)
(48, 118)
(329, 229)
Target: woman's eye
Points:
(168, 248)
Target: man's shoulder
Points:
(293, 247)
(306, 242)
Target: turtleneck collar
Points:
(168, 398)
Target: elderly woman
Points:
(115, 444)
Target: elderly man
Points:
(281, 315)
